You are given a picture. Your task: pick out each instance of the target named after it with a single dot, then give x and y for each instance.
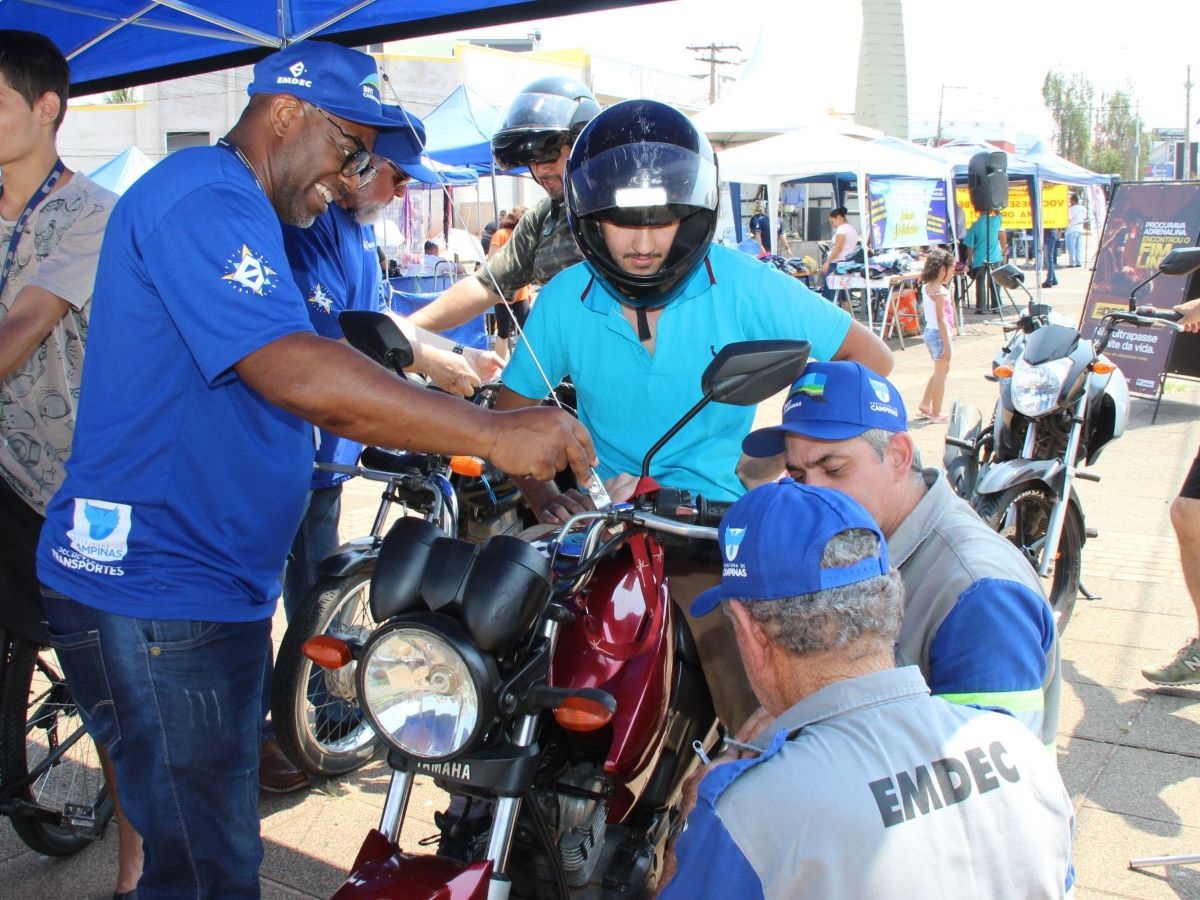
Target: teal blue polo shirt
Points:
(628, 398)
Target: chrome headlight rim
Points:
(1035, 388)
(480, 667)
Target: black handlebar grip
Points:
(714, 511)
(1153, 312)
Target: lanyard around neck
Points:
(23, 219)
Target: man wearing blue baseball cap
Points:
(976, 621)
(859, 777)
(161, 553)
(335, 266)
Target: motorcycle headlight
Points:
(1035, 389)
(427, 691)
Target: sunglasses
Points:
(356, 162)
(372, 171)
(527, 151)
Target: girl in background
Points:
(937, 306)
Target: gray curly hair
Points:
(834, 618)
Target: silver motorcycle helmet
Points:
(642, 163)
(547, 115)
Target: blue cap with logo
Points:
(772, 540)
(337, 79)
(404, 142)
(832, 401)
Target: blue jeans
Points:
(177, 704)
(315, 540)
(1050, 245)
(1074, 247)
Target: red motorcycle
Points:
(549, 687)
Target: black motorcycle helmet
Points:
(639, 163)
(547, 114)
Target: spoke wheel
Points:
(43, 733)
(316, 715)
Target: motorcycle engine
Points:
(580, 819)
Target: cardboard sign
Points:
(1018, 215)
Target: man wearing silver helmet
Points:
(537, 131)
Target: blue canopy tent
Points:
(122, 170)
(460, 130)
(118, 43)
(1037, 165)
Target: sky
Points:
(990, 56)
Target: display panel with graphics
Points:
(1146, 222)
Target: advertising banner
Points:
(907, 212)
(1018, 215)
(1146, 222)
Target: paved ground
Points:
(1129, 755)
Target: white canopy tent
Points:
(816, 154)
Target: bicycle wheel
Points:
(315, 712)
(1026, 528)
(43, 735)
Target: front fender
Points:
(350, 557)
(382, 872)
(1003, 475)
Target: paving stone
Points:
(1148, 784)
(1104, 844)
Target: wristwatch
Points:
(458, 348)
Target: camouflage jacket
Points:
(541, 246)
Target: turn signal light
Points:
(582, 714)
(327, 651)
(1003, 371)
(470, 466)
(1103, 367)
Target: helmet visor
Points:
(527, 148)
(642, 184)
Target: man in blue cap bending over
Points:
(859, 783)
(975, 619)
(161, 553)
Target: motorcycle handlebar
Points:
(1162, 315)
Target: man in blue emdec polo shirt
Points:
(192, 456)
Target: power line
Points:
(713, 62)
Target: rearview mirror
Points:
(742, 374)
(1009, 277)
(376, 336)
(1180, 261)
(748, 372)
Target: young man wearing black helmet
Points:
(537, 131)
(636, 323)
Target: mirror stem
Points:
(691, 414)
(1133, 293)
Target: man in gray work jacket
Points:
(859, 784)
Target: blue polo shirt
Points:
(628, 398)
(335, 265)
(185, 486)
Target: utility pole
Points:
(937, 140)
(1187, 125)
(713, 62)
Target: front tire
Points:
(1030, 507)
(316, 716)
(38, 721)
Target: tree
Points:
(121, 95)
(1068, 97)
(1118, 132)
(1105, 137)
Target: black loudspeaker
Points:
(987, 180)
